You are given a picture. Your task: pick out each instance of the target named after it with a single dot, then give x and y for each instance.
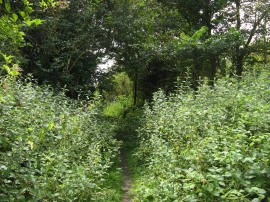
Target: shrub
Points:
(51, 148)
(208, 145)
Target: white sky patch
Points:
(250, 11)
(106, 64)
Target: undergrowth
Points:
(207, 145)
(53, 148)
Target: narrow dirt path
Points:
(126, 177)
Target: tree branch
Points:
(256, 24)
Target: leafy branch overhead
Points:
(14, 19)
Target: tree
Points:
(14, 20)
(68, 47)
(154, 41)
(130, 27)
(231, 26)
(248, 19)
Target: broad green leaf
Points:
(8, 58)
(15, 17)
(142, 4)
(43, 3)
(6, 67)
(37, 21)
(31, 144)
(22, 13)
(3, 167)
(28, 22)
(198, 34)
(7, 6)
(51, 126)
(261, 191)
(14, 73)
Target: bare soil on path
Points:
(126, 177)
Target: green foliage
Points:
(122, 84)
(66, 49)
(118, 84)
(194, 39)
(114, 181)
(208, 145)
(52, 148)
(14, 18)
(8, 67)
(119, 108)
(116, 109)
(127, 128)
(118, 96)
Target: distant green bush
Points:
(51, 148)
(118, 98)
(208, 145)
(118, 107)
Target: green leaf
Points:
(198, 34)
(7, 6)
(14, 73)
(8, 59)
(37, 21)
(142, 4)
(222, 184)
(261, 191)
(51, 126)
(64, 126)
(15, 17)
(43, 3)
(29, 22)
(3, 167)
(256, 190)
(185, 37)
(22, 13)
(6, 68)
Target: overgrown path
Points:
(126, 177)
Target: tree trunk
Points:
(196, 72)
(213, 70)
(238, 62)
(213, 59)
(238, 20)
(264, 41)
(135, 93)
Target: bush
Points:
(208, 145)
(51, 148)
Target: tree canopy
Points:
(155, 42)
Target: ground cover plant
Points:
(208, 145)
(52, 148)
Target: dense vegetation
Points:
(201, 65)
(155, 42)
(208, 145)
(51, 147)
